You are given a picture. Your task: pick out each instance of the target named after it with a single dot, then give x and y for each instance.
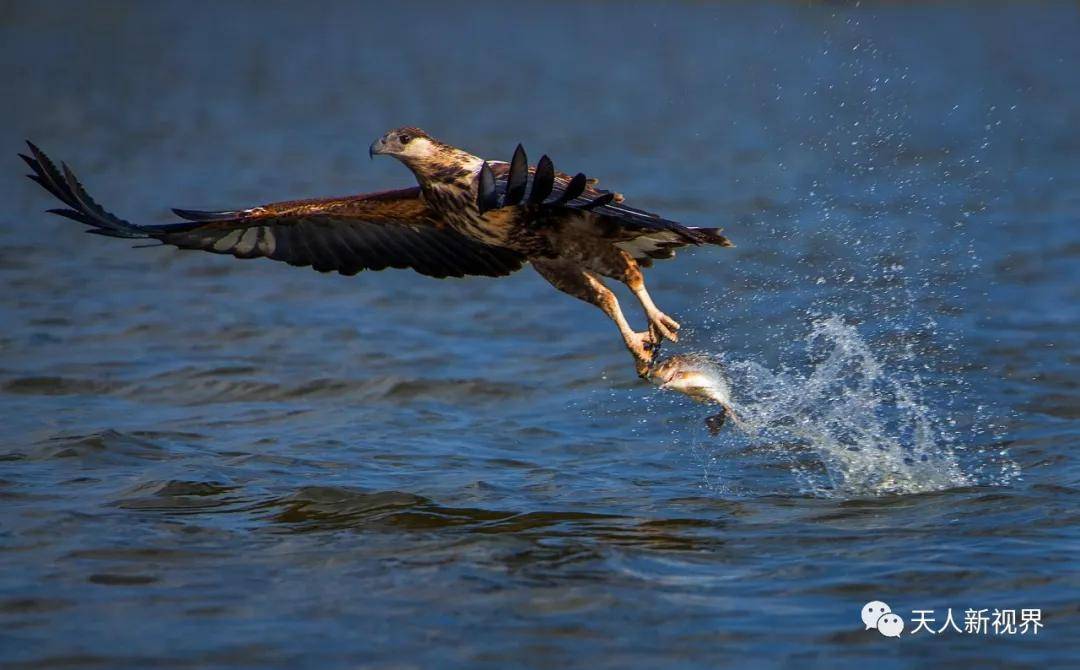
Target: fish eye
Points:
(404, 139)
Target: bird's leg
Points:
(586, 286)
(659, 323)
(643, 346)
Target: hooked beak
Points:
(377, 147)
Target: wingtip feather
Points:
(200, 216)
(600, 201)
(518, 177)
(486, 196)
(543, 180)
(574, 188)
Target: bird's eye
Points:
(404, 139)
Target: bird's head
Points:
(428, 158)
(407, 144)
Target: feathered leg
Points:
(622, 266)
(585, 285)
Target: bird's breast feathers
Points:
(455, 201)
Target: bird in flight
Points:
(467, 216)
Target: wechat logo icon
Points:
(876, 614)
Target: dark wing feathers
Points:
(516, 184)
(599, 201)
(486, 189)
(573, 190)
(517, 179)
(200, 215)
(543, 181)
(67, 189)
(365, 232)
(46, 174)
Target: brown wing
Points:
(543, 189)
(363, 232)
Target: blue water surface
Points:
(221, 464)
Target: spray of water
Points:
(882, 411)
(867, 429)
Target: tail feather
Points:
(712, 236)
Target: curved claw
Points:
(645, 347)
(664, 326)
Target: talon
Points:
(643, 346)
(657, 335)
(664, 325)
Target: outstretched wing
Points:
(542, 188)
(362, 232)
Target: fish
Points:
(701, 379)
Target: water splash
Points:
(868, 429)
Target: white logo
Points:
(879, 616)
(872, 611)
(890, 625)
(876, 614)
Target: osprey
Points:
(468, 216)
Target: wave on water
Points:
(867, 427)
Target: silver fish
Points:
(700, 378)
